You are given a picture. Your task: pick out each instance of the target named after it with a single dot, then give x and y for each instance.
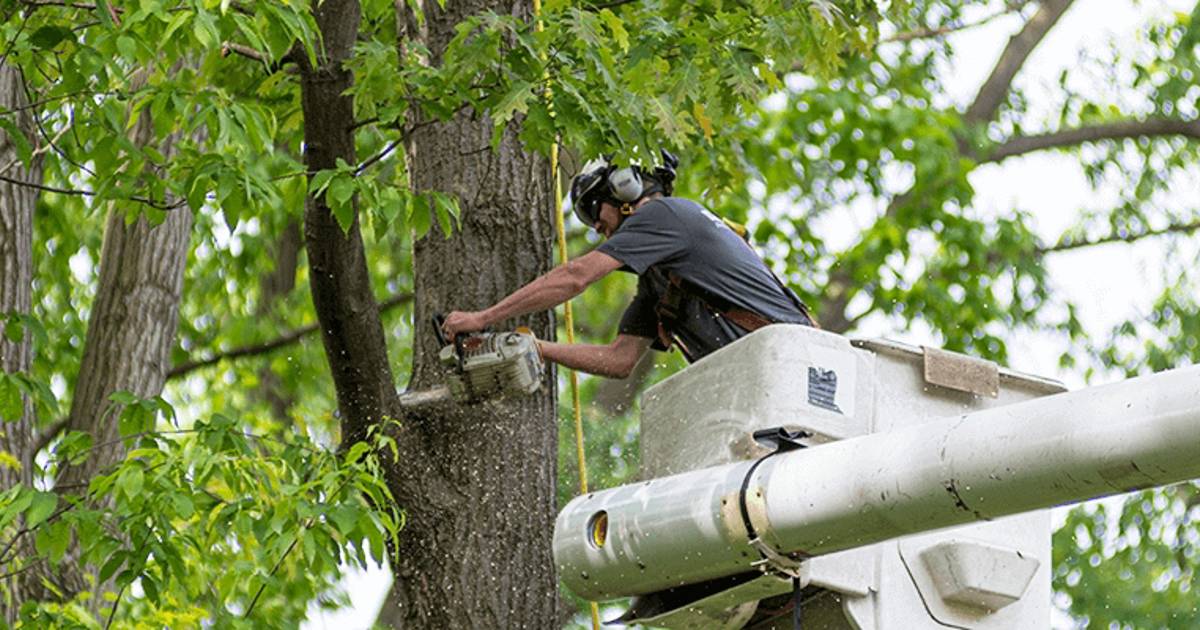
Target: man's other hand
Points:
(462, 322)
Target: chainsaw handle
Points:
(438, 321)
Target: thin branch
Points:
(995, 89)
(609, 5)
(40, 150)
(1067, 244)
(42, 128)
(382, 154)
(43, 439)
(405, 134)
(88, 193)
(11, 44)
(279, 342)
(4, 559)
(926, 33)
(57, 3)
(43, 187)
(1121, 130)
(228, 48)
(51, 99)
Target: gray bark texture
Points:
(346, 309)
(477, 481)
(131, 329)
(16, 286)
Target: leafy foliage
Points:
(200, 523)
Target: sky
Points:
(1051, 187)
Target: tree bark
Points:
(351, 329)
(996, 88)
(131, 329)
(477, 481)
(274, 287)
(16, 296)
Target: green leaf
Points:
(356, 452)
(40, 508)
(12, 406)
(320, 181)
(515, 101)
(446, 208)
(421, 218)
(150, 587)
(131, 481)
(346, 517)
(111, 565)
(339, 195)
(48, 37)
(127, 46)
(19, 139)
(123, 397)
(617, 26)
(52, 541)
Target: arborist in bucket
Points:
(700, 285)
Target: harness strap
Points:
(669, 307)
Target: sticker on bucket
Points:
(822, 388)
(831, 380)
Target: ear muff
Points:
(625, 184)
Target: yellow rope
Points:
(568, 315)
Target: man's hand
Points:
(463, 322)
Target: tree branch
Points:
(995, 89)
(228, 48)
(279, 342)
(1067, 244)
(926, 33)
(53, 3)
(1119, 130)
(87, 193)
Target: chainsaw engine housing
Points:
(490, 365)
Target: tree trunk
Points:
(16, 285)
(351, 329)
(275, 287)
(131, 329)
(477, 481)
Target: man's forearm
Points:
(549, 290)
(593, 359)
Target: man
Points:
(700, 285)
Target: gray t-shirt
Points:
(673, 235)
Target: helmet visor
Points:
(586, 193)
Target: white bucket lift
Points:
(907, 444)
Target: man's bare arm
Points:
(547, 291)
(615, 359)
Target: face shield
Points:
(588, 191)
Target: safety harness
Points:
(669, 310)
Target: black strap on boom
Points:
(779, 440)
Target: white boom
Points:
(1070, 447)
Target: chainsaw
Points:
(484, 365)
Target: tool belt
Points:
(670, 304)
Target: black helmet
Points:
(602, 181)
